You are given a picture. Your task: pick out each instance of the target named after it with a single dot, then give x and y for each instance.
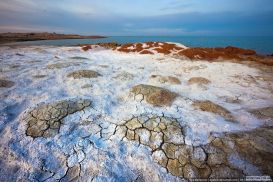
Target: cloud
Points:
(123, 17)
(177, 6)
(20, 6)
(30, 28)
(156, 31)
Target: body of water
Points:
(262, 44)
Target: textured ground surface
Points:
(104, 115)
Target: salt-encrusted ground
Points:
(60, 123)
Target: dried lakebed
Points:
(104, 115)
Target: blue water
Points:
(262, 44)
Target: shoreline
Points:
(215, 54)
(78, 41)
(6, 38)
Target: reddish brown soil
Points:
(197, 53)
(86, 48)
(160, 47)
(216, 53)
(232, 54)
(107, 45)
(146, 52)
(162, 50)
(228, 53)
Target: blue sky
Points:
(139, 17)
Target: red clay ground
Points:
(195, 53)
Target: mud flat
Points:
(152, 111)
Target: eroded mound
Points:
(45, 120)
(156, 96)
(83, 74)
(6, 83)
(209, 106)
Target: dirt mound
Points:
(83, 74)
(156, 96)
(211, 107)
(86, 48)
(199, 81)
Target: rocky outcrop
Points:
(155, 96)
(83, 74)
(45, 120)
(6, 83)
(211, 107)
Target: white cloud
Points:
(20, 6)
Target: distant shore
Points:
(19, 37)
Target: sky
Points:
(139, 17)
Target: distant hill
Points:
(18, 37)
